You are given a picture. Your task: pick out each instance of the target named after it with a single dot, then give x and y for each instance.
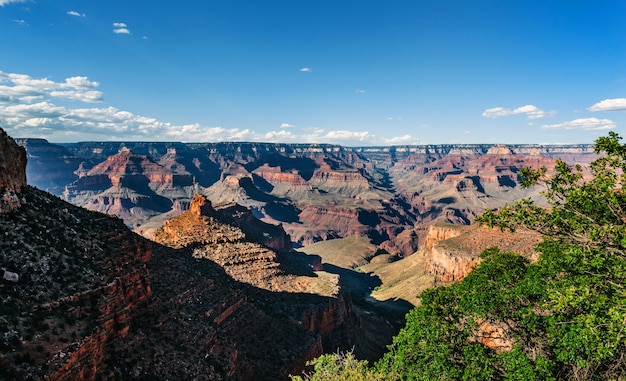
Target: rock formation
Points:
(12, 173)
(453, 250)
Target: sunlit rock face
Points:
(452, 250)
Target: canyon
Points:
(226, 275)
(92, 300)
(315, 192)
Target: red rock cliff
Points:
(454, 250)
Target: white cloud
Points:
(399, 140)
(306, 70)
(5, 2)
(279, 136)
(120, 28)
(28, 109)
(615, 104)
(77, 14)
(588, 124)
(20, 88)
(359, 91)
(531, 111)
(21, 22)
(342, 135)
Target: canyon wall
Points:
(313, 191)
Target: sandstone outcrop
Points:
(494, 335)
(208, 233)
(452, 250)
(12, 173)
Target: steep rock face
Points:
(206, 231)
(454, 250)
(12, 173)
(275, 176)
(270, 235)
(441, 232)
(203, 325)
(347, 181)
(126, 185)
(329, 222)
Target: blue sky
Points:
(345, 72)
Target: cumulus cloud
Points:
(20, 88)
(120, 28)
(531, 112)
(306, 70)
(399, 140)
(279, 136)
(77, 14)
(21, 22)
(5, 2)
(588, 124)
(615, 104)
(29, 107)
(359, 91)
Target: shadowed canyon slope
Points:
(84, 298)
(315, 192)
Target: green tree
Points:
(443, 338)
(560, 318)
(583, 258)
(341, 366)
(564, 316)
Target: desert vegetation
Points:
(561, 317)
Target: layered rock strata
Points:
(454, 250)
(317, 192)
